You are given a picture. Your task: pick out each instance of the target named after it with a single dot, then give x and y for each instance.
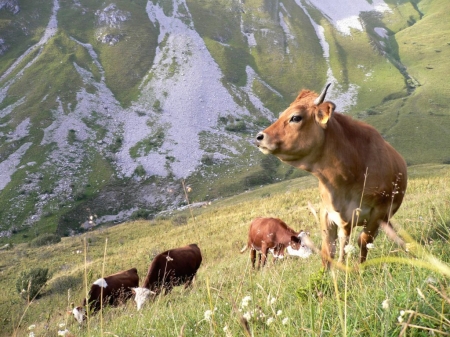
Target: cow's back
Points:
(270, 230)
(174, 265)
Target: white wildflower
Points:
(279, 312)
(31, 334)
(271, 300)
(349, 249)
(370, 246)
(400, 319)
(62, 325)
(385, 304)
(270, 320)
(402, 313)
(208, 315)
(431, 280)
(32, 326)
(63, 332)
(245, 301)
(285, 320)
(247, 316)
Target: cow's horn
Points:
(321, 98)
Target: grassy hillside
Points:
(289, 298)
(400, 80)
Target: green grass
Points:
(337, 303)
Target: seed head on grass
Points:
(349, 249)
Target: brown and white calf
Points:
(111, 290)
(171, 268)
(271, 234)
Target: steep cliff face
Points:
(106, 109)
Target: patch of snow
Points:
(382, 32)
(342, 98)
(345, 14)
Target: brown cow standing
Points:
(171, 268)
(362, 179)
(270, 233)
(113, 289)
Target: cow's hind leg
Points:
(253, 256)
(189, 281)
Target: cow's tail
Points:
(244, 248)
(392, 234)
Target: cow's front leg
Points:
(329, 236)
(344, 236)
(264, 251)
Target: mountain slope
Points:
(106, 108)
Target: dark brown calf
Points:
(171, 268)
(111, 290)
(270, 233)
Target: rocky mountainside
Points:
(108, 109)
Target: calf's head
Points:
(79, 313)
(141, 296)
(303, 250)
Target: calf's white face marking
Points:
(79, 313)
(101, 283)
(142, 295)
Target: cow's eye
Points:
(295, 119)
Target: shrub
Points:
(319, 285)
(180, 220)
(236, 127)
(63, 283)
(141, 214)
(45, 239)
(30, 282)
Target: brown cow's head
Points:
(299, 131)
(295, 242)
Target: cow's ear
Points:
(324, 112)
(133, 291)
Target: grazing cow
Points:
(171, 268)
(113, 289)
(270, 234)
(362, 179)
